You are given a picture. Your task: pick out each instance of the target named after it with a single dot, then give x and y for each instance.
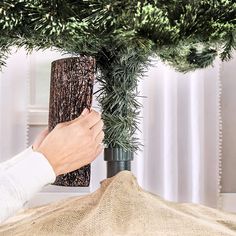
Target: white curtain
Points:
(180, 160)
(13, 105)
(181, 135)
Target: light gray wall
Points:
(228, 102)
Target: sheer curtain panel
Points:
(13, 105)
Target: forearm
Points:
(20, 179)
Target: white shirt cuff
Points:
(30, 173)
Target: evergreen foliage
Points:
(122, 35)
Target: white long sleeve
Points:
(20, 178)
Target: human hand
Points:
(73, 144)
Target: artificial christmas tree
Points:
(121, 36)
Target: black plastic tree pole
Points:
(117, 160)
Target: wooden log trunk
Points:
(71, 91)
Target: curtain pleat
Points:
(14, 102)
(180, 157)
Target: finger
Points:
(97, 128)
(99, 149)
(83, 114)
(100, 137)
(91, 119)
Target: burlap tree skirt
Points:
(121, 207)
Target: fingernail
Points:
(85, 112)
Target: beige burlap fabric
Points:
(121, 207)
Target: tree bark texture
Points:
(71, 91)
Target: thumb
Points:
(39, 139)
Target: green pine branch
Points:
(122, 35)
